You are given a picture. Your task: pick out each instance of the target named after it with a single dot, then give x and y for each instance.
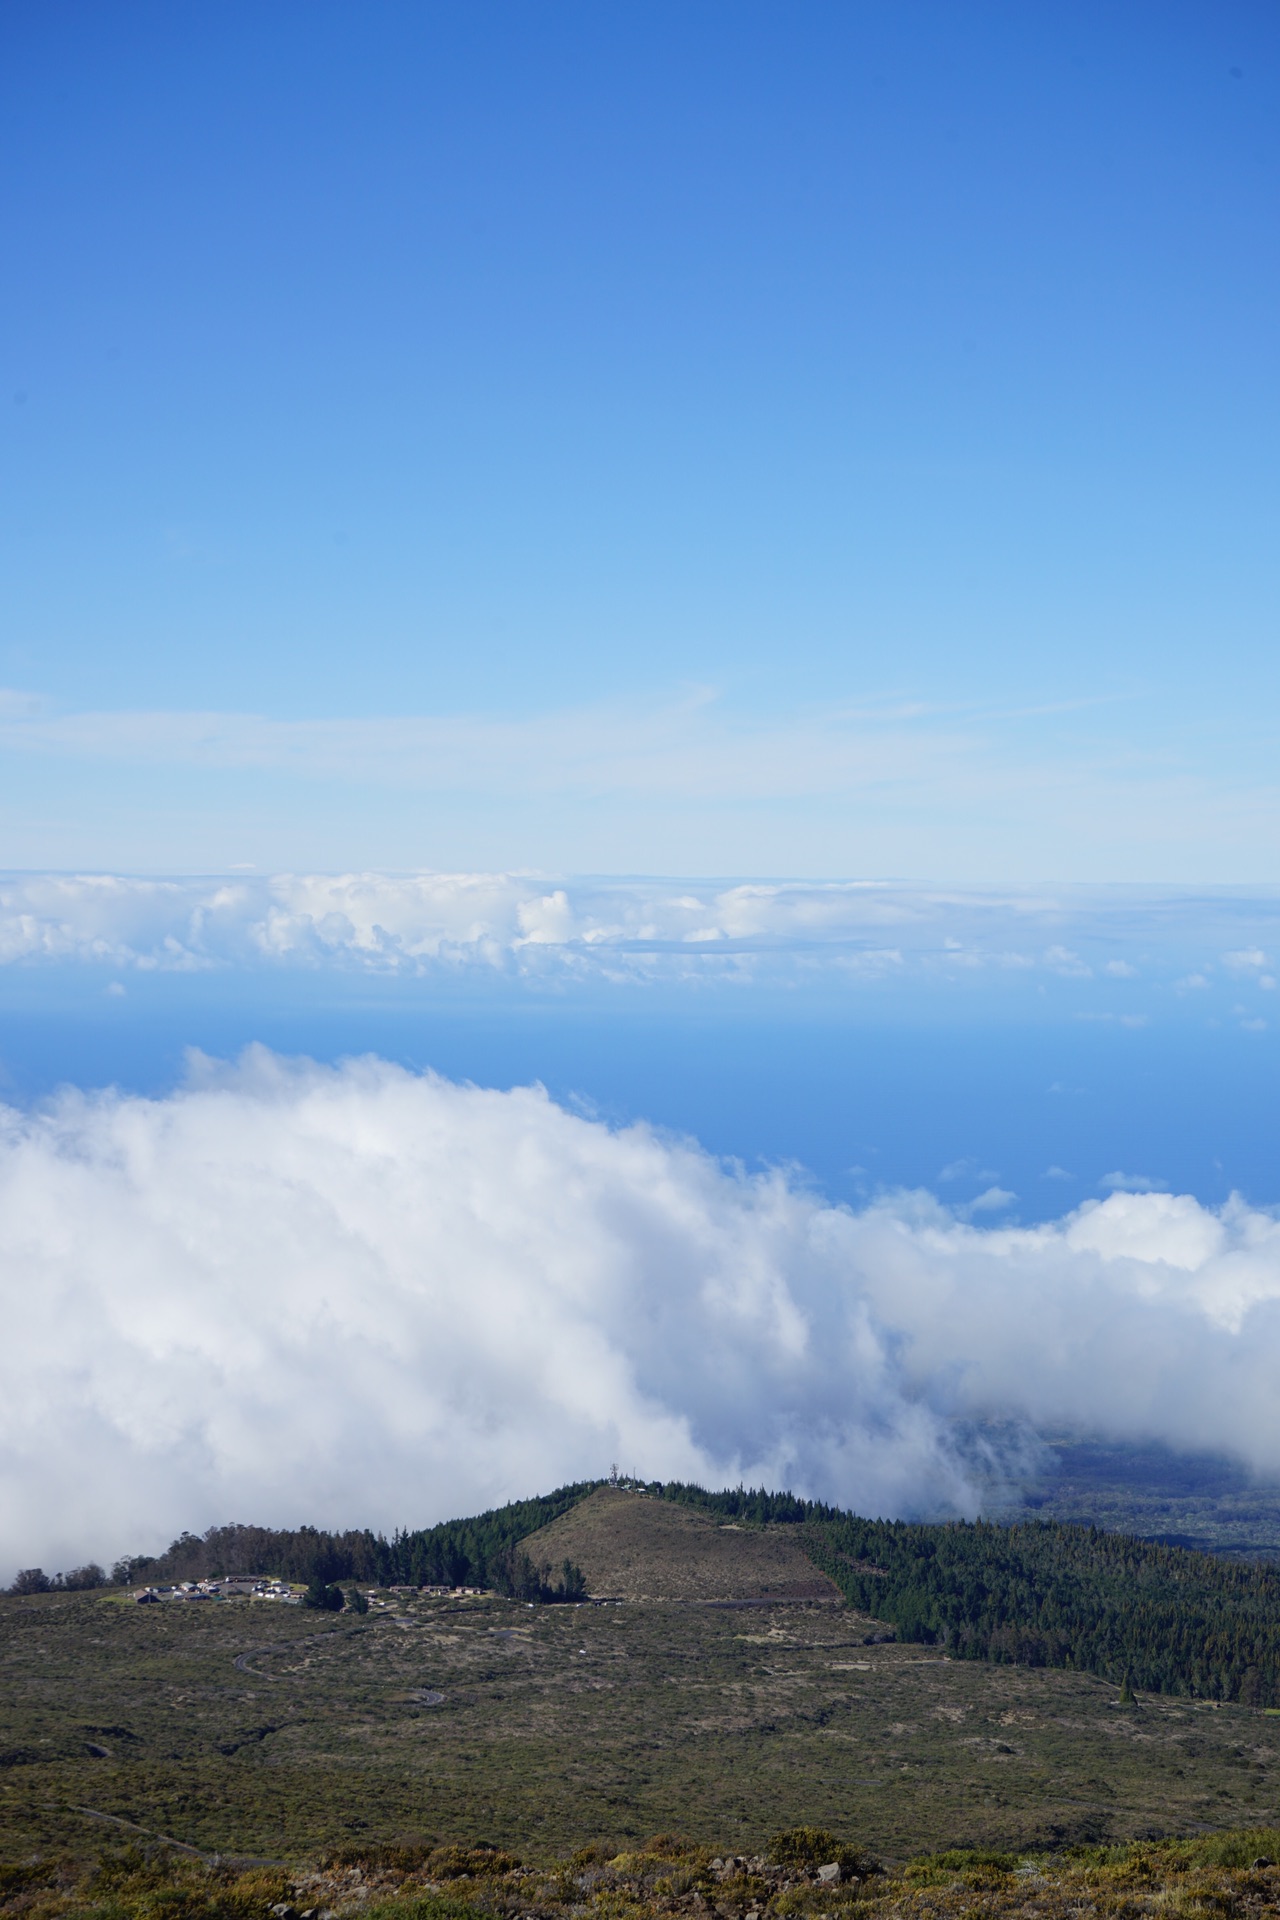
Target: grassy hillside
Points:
(646, 1549)
(250, 1728)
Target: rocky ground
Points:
(1214, 1877)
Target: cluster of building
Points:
(261, 1586)
(439, 1593)
(236, 1585)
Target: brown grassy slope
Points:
(640, 1548)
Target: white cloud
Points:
(534, 924)
(356, 1295)
(1131, 1183)
(991, 1200)
(1144, 1315)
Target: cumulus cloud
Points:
(351, 1295)
(1142, 1316)
(359, 1295)
(538, 926)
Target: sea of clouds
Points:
(357, 1295)
(1119, 942)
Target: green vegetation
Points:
(79, 1580)
(1224, 1876)
(1200, 1501)
(252, 1728)
(516, 1576)
(1044, 1594)
(326, 1597)
(1170, 1621)
(1038, 1593)
(457, 1553)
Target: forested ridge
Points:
(478, 1552)
(1042, 1593)
(1039, 1593)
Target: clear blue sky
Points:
(790, 438)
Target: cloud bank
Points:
(1110, 942)
(356, 1295)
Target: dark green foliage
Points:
(456, 1553)
(357, 1602)
(31, 1580)
(79, 1580)
(1033, 1594)
(1043, 1594)
(324, 1597)
(514, 1575)
(1040, 1595)
(573, 1581)
(740, 1503)
(84, 1579)
(129, 1569)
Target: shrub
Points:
(325, 1598)
(807, 1847)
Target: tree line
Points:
(477, 1552)
(1043, 1593)
(1040, 1593)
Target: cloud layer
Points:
(1112, 943)
(358, 1295)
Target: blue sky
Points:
(706, 573)
(676, 439)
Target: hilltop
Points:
(937, 1695)
(640, 1548)
(1037, 1593)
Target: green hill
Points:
(1038, 1593)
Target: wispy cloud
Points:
(895, 785)
(689, 748)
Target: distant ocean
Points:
(1027, 1087)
